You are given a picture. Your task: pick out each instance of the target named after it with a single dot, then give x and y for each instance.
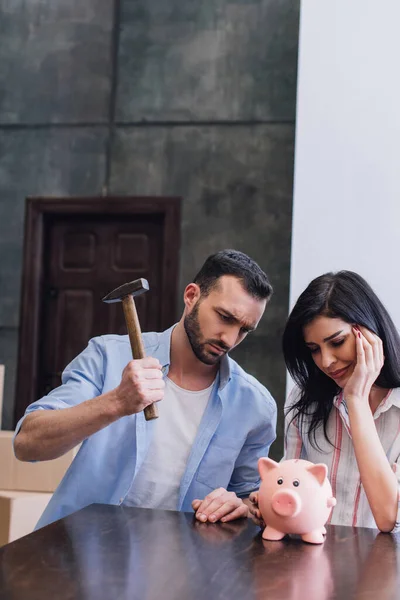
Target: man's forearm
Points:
(48, 434)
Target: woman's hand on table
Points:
(254, 511)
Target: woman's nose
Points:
(327, 359)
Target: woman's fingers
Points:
(375, 343)
(359, 347)
(369, 361)
(368, 353)
(254, 498)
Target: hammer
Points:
(125, 294)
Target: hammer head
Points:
(133, 288)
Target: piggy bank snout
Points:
(286, 503)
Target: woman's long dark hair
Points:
(347, 296)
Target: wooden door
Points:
(81, 255)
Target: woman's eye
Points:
(338, 343)
(313, 350)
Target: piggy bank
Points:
(295, 497)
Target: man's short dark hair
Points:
(236, 264)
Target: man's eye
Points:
(224, 318)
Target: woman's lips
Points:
(338, 374)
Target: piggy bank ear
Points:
(319, 471)
(265, 465)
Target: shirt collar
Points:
(338, 399)
(391, 399)
(164, 356)
(340, 403)
(164, 347)
(224, 371)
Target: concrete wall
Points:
(153, 97)
(347, 183)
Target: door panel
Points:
(85, 258)
(76, 251)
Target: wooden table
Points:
(115, 553)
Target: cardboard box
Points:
(32, 477)
(19, 513)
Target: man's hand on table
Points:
(220, 505)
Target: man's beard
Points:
(193, 332)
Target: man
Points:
(215, 419)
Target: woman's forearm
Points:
(378, 479)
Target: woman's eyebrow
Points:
(333, 335)
(330, 337)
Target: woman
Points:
(343, 352)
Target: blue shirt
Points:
(237, 428)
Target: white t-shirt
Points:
(157, 483)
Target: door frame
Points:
(37, 209)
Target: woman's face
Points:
(332, 344)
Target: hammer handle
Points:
(135, 338)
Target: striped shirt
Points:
(352, 506)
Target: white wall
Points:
(347, 163)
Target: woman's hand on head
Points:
(369, 363)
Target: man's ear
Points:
(191, 295)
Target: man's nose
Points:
(229, 337)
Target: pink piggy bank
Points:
(295, 497)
